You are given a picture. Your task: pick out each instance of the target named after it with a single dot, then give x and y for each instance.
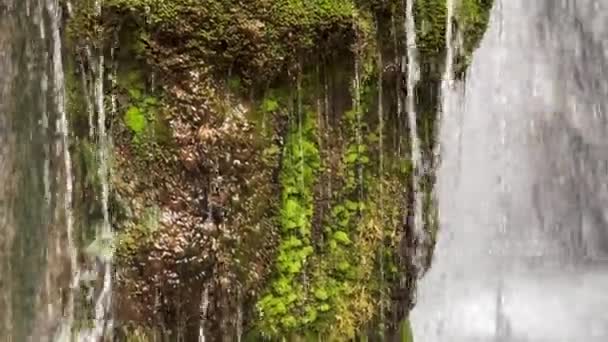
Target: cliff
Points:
(261, 171)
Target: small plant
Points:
(281, 309)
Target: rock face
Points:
(262, 184)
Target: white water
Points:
(102, 324)
(102, 321)
(204, 308)
(104, 300)
(63, 127)
(522, 196)
(410, 106)
(38, 261)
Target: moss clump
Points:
(142, 112)
(430, 20)
(254, 39)
(135, 120)
(471, 18)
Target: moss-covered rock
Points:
(256, 40)
(472, 18)
(257, 167)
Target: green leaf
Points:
(343, 266)
(352, 157)
(324, 307)
(321, 294)
(311, 315)
(352, 206)
(102, 247)
(269, 105)
(289, 321)
(282, 286)
(342, 238)
(292, 297)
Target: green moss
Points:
(430, 20)
(254, 40)
(129, 241)
(143, 112)
(280, 308)
(135, 120)
(405, 331)
(472, 18)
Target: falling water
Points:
(204, 307)
(102, 323)
(449, 46)
(239, 316)
(412, 79)
(448, 75)
(521, 252)
(63, 128)
(38, 259)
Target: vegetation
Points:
(280, 308)
(254, 167)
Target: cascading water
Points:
(523, 241)
(39, 259)
(411, 61)
(38, 264)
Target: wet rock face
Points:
(208, 190)
(281, 167)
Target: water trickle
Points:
(63, 128)
(381, 166)
(520, 254)
(204, 308)
(103, 321)
(239, 316)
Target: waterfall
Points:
(7, 163)
(521, 250)
(103, 323)
(38, 261)
(63, 128)
(416, 156)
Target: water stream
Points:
(40, 260)
(521, 253)
(38, 264)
